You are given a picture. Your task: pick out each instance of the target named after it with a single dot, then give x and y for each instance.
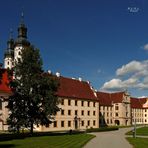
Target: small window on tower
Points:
(8, 63)
(19, 60)
(19, 53)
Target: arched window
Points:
(19, 53)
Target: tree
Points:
(34, 99)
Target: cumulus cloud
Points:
(131, 67)
(136, 74)
(113, 84)
(145, 47)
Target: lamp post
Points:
(134, 130)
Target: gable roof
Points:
(138, 103)
(4, 81)
(72, 88)
(135, 103)
(117, 97)
(106, 99)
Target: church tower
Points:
(21, 42)
(9, 53)
(15, 47)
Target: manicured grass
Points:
(140, 131)
(138, 142)
(65, 141)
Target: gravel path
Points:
(112, 139)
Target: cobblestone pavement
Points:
(112, 139)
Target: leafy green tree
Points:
(34, 99)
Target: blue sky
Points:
(103, 41)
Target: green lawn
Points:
(65, 141)
(138, 142)
(140, 131)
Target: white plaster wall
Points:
(79, 109)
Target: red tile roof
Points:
(106, 99)
(117, 97)
(4, 82)
(72, 88)
(138, 102)
(135, 103)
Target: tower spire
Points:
(22, 17)
(11, 33)
(22, 32)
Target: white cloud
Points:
(131, 82)
(145, 47)
(136, 74)
(113, 84)
(131, 67)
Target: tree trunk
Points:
(31, 128)
(18, 129)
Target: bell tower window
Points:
(19, 53)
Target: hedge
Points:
(102, 129)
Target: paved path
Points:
(112, 139)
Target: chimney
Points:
(57, 74)
(88, 82)
(80, 79)
(49, 72)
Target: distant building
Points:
(114, 108)
(139, 107)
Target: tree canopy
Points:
(34, 99)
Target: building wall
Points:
(106, 116)
(116, 113)
(139, 116)
(75, 114)
(145, 116)
(122, 114)
(3, 113)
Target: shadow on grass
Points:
(7, 145)
(8, 137)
